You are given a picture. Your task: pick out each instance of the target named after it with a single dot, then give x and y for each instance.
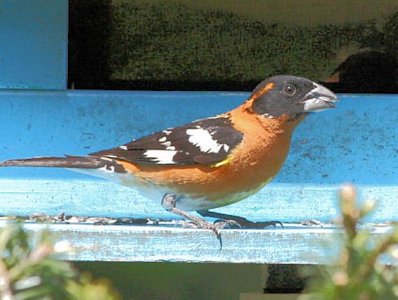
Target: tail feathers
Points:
(84, 162)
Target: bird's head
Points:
(290, 96)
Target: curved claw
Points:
(202, 224)
(236, 221)
(232, 224)
(269, 223)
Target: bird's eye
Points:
(289, 90)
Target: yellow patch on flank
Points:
(222, 163)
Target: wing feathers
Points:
(206, 141)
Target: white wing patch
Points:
(161, 156)
(163, 141)
(167, 132)
(202, 138)
(168, 145)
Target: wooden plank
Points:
(33, 52)
(294, 244)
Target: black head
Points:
(291, 96)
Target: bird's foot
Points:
(169, 203)
(238, 222)
(248, 224)
(217, 225)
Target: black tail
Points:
(83, 162)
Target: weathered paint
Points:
(356, 142)
(34, 39)
(293, 244)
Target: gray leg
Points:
(236, 220)
(169, 203)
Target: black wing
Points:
(206, 142)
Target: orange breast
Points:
(251, 164)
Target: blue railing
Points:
(356, 142)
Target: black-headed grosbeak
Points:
(210, 162)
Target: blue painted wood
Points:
(354, 143)
(33, 52)
(293, 244)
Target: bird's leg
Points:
(169, 203)
(242, 222)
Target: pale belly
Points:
(184, 200)
(188, 202)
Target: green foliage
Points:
(358, 273)
(30, 269)
(168, 40)
(172, 41)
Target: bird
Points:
(210, 162)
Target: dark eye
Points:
(289, 90)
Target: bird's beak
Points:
(319, 98)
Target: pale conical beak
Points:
(318, 99)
